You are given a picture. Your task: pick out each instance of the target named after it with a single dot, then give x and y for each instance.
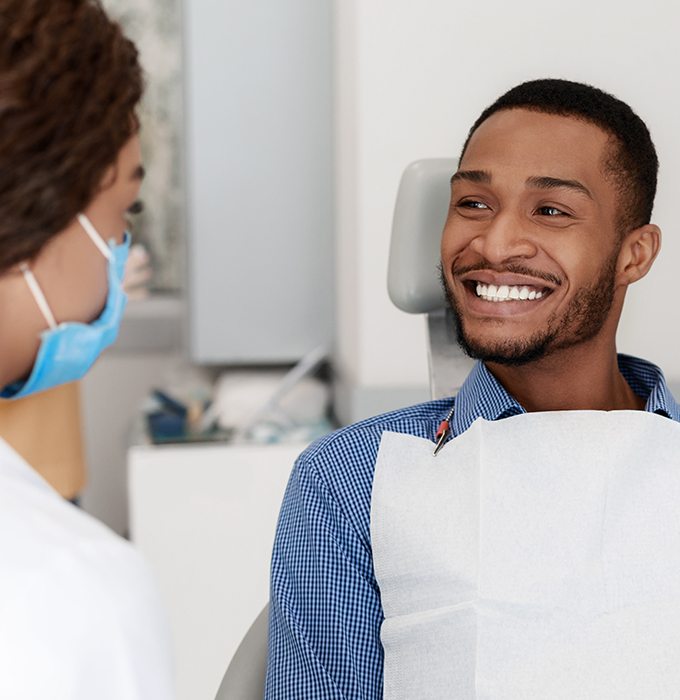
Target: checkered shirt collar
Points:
(482, 395)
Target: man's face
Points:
(530, 245)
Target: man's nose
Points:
(503, 238)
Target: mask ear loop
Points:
(38, 295)
(92, 232)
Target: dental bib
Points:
(535, 557)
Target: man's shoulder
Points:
(338, 469)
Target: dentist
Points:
(80, 617)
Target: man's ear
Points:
(638, 251)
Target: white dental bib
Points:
(535, 557)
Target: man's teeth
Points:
(490, 292)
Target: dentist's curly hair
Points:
(631, 162)
(70, 83)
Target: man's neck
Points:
(584, 377)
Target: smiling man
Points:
(549, 224)
(535, 556)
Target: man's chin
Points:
(511, 353)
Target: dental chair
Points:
(413, 280)
(244, 679)
(413, 286)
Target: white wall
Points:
(149, 353)
(412, 77)
(112, 395)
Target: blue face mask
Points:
(68, 350)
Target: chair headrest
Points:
(419, 215)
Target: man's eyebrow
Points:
(482, 176)
(553, 183)
(139, 173)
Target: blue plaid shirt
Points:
(325, 615)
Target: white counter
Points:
(204, 517)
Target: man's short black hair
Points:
(631, 163)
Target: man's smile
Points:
(505, 293)
(489, 293)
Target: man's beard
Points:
(582, 321)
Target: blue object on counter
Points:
(164, 425)
(169, 404)
(168, 422)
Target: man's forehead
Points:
(541, 144)
(519, 119)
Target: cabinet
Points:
(258, 81)
(204, 517)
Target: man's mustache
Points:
(514, 269)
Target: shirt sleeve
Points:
(325, 612)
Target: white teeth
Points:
(505, 292)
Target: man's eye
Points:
(472, 204)
(550, 211)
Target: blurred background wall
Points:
(410, 80)
(406, 80)
(151, 349)
(157, 27)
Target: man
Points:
(80, 614)
(548, 226)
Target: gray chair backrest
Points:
(413, 280)
(245, 676)
(419, 217)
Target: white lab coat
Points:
(79, 614)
